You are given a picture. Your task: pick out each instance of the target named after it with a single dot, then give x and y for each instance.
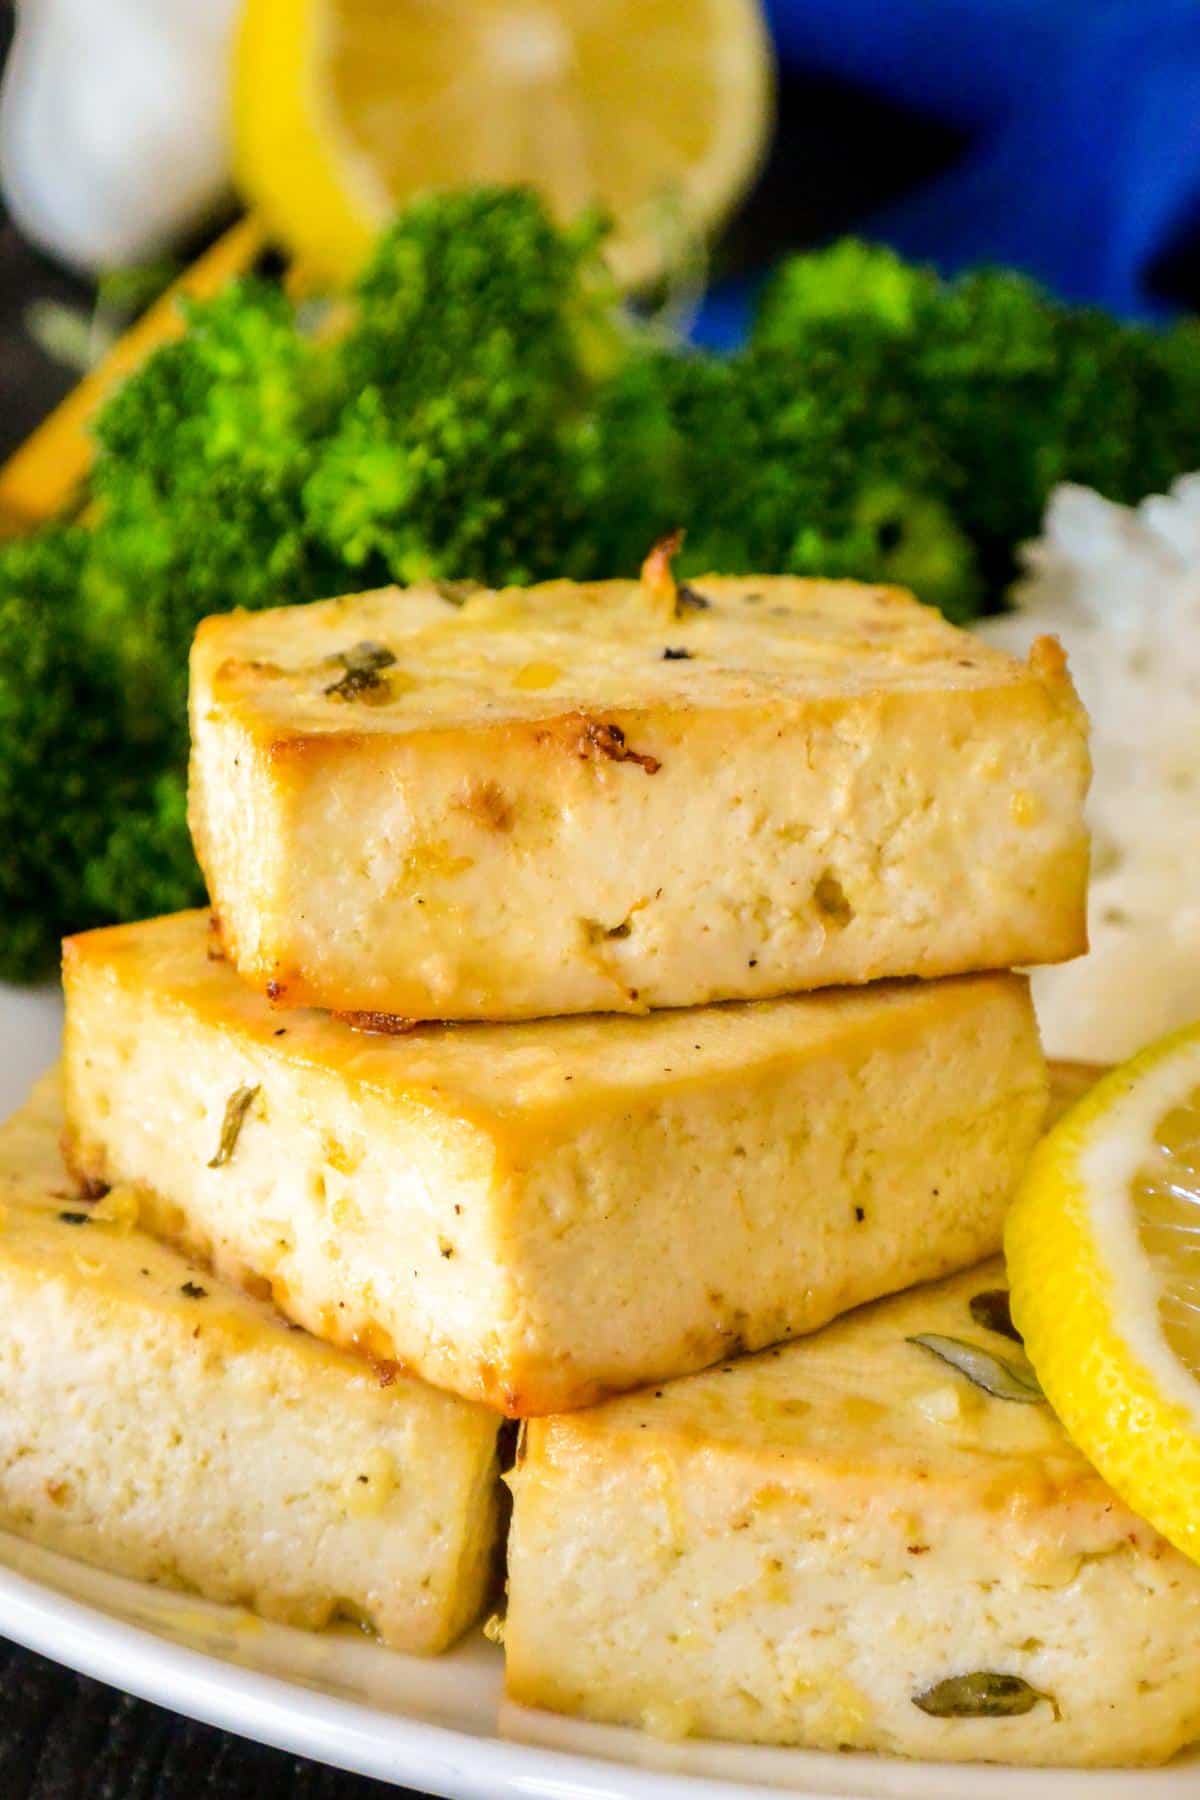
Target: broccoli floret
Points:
(812, 465)
(1025, 393)
(482, 281)
(850, 280)
(152, 573)
(65, 751)
(92, 816)
(232, 392)
(473, 482)
(1017, 391)
(479, 331)
(146, 865)
(201, 461)
(1175, 355)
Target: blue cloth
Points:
(1083, 160)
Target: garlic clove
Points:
(113, 130)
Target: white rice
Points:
(1121, 587)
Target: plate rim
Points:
(341, 1733)
(399, 1750)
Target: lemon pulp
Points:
(1103, 1249)
(1166, 1202)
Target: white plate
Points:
(441, 1725)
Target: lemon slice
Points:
(1103, 1248)
(343, 109)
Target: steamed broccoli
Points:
(480, 330)
(813, 466)
(195, 493)
(73, 780)
(482, 283)
(866, 283)
(146, 864)
(200, 467)
(54, 713)
(480, 407)
(1019, 391)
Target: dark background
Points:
(842, 155)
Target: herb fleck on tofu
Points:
(456, 593)
(996, 1376)
(362, 678)
(236, 1108)
(75, 1218)
(829, 897)
(688, 600)
(596, 933)
(983, 1694)
(191, 1290)
(993, 1311)
(674, 653)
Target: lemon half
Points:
(343, 109)
(1103, 1249)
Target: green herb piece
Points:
(191, 1290)
(992, 1310)
(236, 1108)
(75, 1218)
(997, 1377)
(670, 654)
(363, 658)
(79, 339)
(362, 679)
(129, 291)
(597, 933)
(830, 900)
(456, 593)
(983, 1694)
(688, 600)
(67, 335)
(357, 684)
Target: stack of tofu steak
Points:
(606, 988)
